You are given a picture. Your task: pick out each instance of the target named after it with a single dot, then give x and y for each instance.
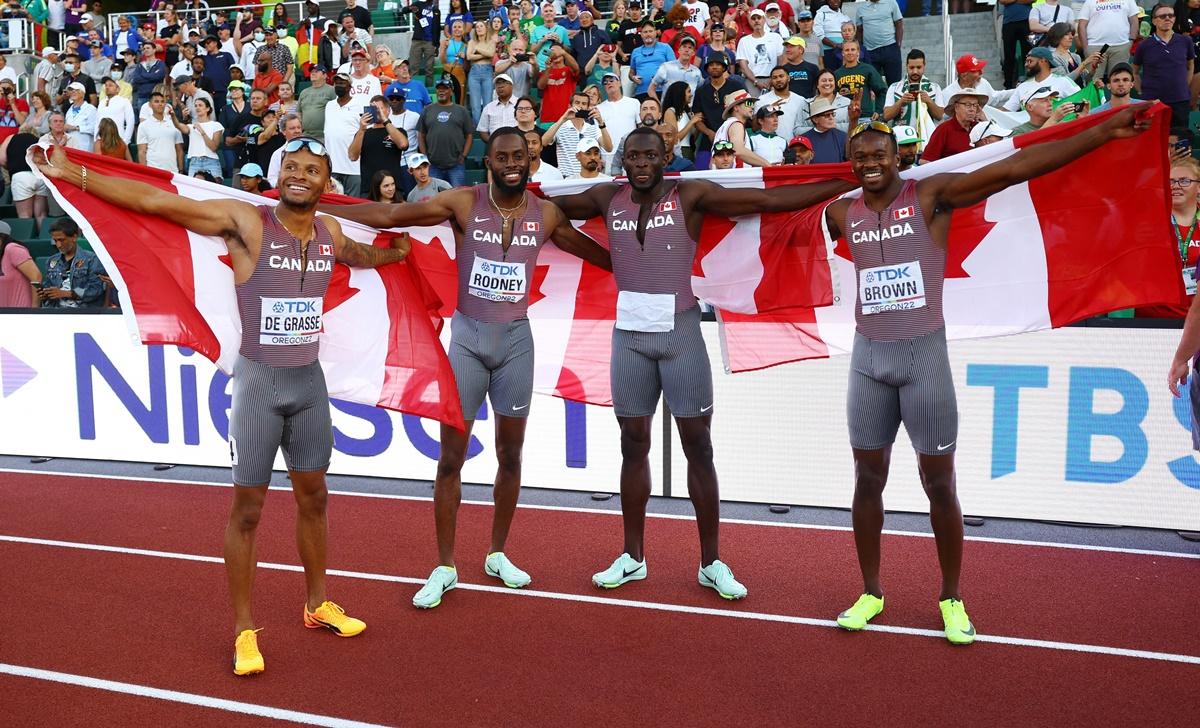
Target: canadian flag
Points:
(668, 206)
(325, 249)
(532, 226)
(904, 213)
(380, 341)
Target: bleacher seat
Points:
(6, 197)
(40, 247)
(44, 228)
(8, 210)
(22, 227)
(476, 176)
(43, 264)
(478, 148)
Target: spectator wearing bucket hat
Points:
(953, 135)
(828, 142)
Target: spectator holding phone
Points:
(557, 84)
(912, 102)
(548, 36)
(378, 144)
(1163, 65)
(1043, 113)
(579, 122)
(73, 274)
(1109, 27)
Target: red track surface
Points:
(503, 659)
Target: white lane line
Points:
(663, 516)
(631, 603)
(174, 696)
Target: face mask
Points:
(282, 32)
(116, 75)
(341, 91)
(70, 68)
(259, 36)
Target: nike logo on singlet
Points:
(277, 247)
(618, 213)
(705, 409)
(482, 219)
(856, 223)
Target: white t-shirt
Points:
(249, 50)
(196, 145)
(1044, 13)
(769, 148)
(620, 118)
(546, 173)
(1063, 85)
(762, 54)
(362, 90)
(1108, 21)
(160, 138)
(790, 108)
(408, 122)
(120, 111)
(58, 14)
(699, 15)
(341, 123)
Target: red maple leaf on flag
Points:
(968, 228)
(339, 290)
(535, 286)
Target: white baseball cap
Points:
(587, 145)
(987, 128)
(416, 160)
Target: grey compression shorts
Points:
(673, 363)
(905, 381)
(276, 407)
(493, 360)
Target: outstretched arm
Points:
(434, 211)
(733, 202)
(570, 240)
(224, 218)
(359, 255)
(590, 203)
(963, 190)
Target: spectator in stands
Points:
(539, 171)
(1047, 13)
(160, 144)
(679, 27)
(588, 40)
(675, 163)
(188, 93)
(589, 163)
(481, 54)
(362, 16)
(184, 65)
(709, 105)
(329, 52)
(677, 114)
(764, 141)
(620, 113)
(98, 65)
(427, 23)
(578, 123)
(276, 53)
(988, 132)
(781, 98)
(628, 35)
(453, 56)
(117, 108)
(518, 64)
(73, 73)
(912, 101)
(407, 120)
(548, 35)
(799, 151)
(557, 84)
(739, 109)
(715, 45)
(1184, 180)
(682, 69)
(908, 144)
(646, 59)
(856, 78)
(416, 96)
(1066, 62)
(383, 188)
(969, 74)
(881, 30)
(1014, 30)
(498, 113)
(352, 37)
(242, 135)
(773, 22)
(1042, 112)
(458, 11)
(39, 113)
(109, 142)
(80, 118)
(379, 145)
(13, 110)
(287, 103)
(58, 130)
(426, 186)
(649, 114)
(953, 135)
(28, 192)
(1120, 85)
(229, 115)
(251, 179)
(759, 52)
(126, 36)
(723, 155)
(807, 33)
(1037, 67)
(499, 11)
(364, 85)
(1163, 69)
(251, 36)
(827, 25)
(19, 275)
(385, 65)
(1111, 23)
(827, 90)
(267, 78)
(445, 132)
(802, 75)
(828, 142)
(7, 71)
(144, 75)
(72, 274)
(204, 136)
(341, 124)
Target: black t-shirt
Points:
(362, 17)
(246, 153)
(379, 152)
(804, 78)
(711, 102)
(629, 36)
(18, 146)
(267, 149)
(89, 87)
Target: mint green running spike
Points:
(497, 565)
(442, 580)
(623, 570)
(719, 577)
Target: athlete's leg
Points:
(695, 438)
(312, 531)
(945, 515)
(635, 481)
(447, 488)
(870, 477)
(510, 439)
(240, 553)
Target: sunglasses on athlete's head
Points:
(313, 146)
(875, 125)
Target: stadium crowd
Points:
(215, 94)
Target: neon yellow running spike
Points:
(959, 629)
(864, 610)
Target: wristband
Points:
(602, 126)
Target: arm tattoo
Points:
(358, 255)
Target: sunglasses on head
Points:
(874, 125)
(313, 146)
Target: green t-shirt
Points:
(311, 104)
(863, 76)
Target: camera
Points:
(521, 57)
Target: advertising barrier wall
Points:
(1071, 425)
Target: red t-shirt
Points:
(1177, 310)
(671, 37)
(7, 118)
(560, 87)
(270, 78)
(948, 138)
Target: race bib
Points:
(645, 311)
(290, 321)
(897, 287)
(495, 281)
(1189, 280)
(424, 22)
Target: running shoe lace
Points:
(337, 610)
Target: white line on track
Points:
(615, 512)
(631, 603)
(173, 696)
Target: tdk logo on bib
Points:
(899, 287)
(290, 321)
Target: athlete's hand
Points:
(57, 166)
(1177, 376)
(401, 242)
(1129, 122)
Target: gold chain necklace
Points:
(506, 213)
